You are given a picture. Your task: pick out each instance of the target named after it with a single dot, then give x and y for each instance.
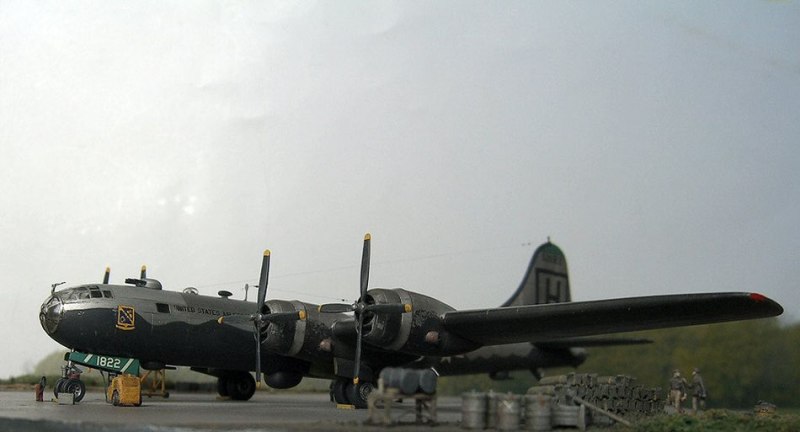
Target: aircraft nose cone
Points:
(51, 313)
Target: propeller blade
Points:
(262, 281)
(357, 360)
(365, 267)
(335, 308)
(106, 276)
(234, 319)
(360, 306)
(257, 318)
(256, 334)
(143, 273)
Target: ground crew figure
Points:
(677, 390)
(39, 389)
(698, 391)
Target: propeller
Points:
(259, 319)
(107, 275)
(361, 307)
(143, 273)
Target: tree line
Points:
(741, 363)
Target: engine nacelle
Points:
(418, 332)
(306, 338)
(285, 337)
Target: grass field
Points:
(719, 421)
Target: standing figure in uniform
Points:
(677, 390)
(39, 389)
(698, 391)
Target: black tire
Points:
(222, 386)
(76, 387)
(115, 398)
(241, 387)
(359, 393)
(57, 387)
(339, 392)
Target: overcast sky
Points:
(655, 142)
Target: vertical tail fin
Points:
(546, 280)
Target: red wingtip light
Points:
(756, 297)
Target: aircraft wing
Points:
(586, 342)
(553, 321)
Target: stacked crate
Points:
(618, 394)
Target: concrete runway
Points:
(202, 412)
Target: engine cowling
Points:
(306, 338)
(285, 337)
(418, 331)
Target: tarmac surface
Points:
(197, 412)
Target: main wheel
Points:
(359, 393)
(339, 393)
(222, 386)
(76, 387)
(241, 386)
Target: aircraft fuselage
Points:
(161, 327)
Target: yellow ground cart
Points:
(125, 389)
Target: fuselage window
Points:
(95, 293)
(163, 308)
(107, 294)
(78, 293)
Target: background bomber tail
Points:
(546, 280)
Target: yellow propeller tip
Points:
(144, 267)
(220, 320)
(407, 308)
(367, 236)
(302, 315)
(266, 252)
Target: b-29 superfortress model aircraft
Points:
(538, 327)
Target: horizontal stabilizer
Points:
(590, 342)
(549, 322)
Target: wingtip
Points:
(775, 307)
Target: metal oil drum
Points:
(491, 410)
(473, 410)
(508, 412)
(427, 381)
(538, 412)
(405, 380)
(565, 415)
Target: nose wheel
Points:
(70, 382)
